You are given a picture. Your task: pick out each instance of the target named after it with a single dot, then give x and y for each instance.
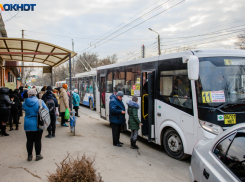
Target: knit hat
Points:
(49, 88)
(64, 86)
(135, 99)
(120, 94)
(75, 90)
(31, 92)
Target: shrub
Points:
(80, 169)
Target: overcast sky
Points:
(88, 20)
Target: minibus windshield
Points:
(221, 82)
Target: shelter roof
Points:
(28, 50)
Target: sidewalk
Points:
(93, 137)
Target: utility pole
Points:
(143, 51)
(159, 45)
(73, 58)
(22, 63)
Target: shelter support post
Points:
(70, 82)
(51, 76)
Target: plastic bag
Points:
(67, 114)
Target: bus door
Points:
(102, 96)
(148, 106)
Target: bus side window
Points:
(109, 81)
(133, 80)
(174, 85)
(119, 80)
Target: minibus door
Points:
(148, 128)
(102, 96)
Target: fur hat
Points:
(32, 92)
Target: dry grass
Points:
(80, 169)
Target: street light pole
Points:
(159, 43)
(73, 58)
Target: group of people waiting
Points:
(117, 118)
(11, 108)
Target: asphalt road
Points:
(94, 139)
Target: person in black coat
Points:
(15, 108)
(52, 104)
(116, 117)
(17, 92)
(5, 104)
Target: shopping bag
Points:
(67, 114)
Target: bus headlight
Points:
(213, 128)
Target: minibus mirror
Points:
(193, 68)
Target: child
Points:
(133, 122)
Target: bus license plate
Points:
(230, 119)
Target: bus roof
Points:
(197, 52)
(85, 74)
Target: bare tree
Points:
(241, 41)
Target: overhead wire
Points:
(136, 25)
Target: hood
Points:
(75, 93)
(62, 90)
(31, 101)
(113, 96)
(49, 96)
(4, 90)
(133, 104)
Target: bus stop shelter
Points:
(35, 51)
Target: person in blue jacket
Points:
(33, 133)
(76, 101)
(117, 117)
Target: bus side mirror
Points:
(193, 68)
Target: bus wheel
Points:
(91, 104)
(173, 144)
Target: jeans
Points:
(115, 133)
(34, 137)
(52, 126)
(134, 134)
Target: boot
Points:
(132, 144)
(135, 146)
(4, 131)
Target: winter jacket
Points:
(15, 107)
(19, 96)
(133, 122)
(50, 92)
(5, 102)
(115, 112)
(49, 95)
(76, 99)
(64, 102)
(31, 107)
(113, 96)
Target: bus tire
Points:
(91, 106)
(173, 144)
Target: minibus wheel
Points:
(173, 144)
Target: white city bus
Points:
(85, 83)
(184, 97)
(59, 83)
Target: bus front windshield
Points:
(221, 83)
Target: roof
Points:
(28, 50)
(197, 52)
(2, 27)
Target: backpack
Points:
(43, 120)
(51, 106)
